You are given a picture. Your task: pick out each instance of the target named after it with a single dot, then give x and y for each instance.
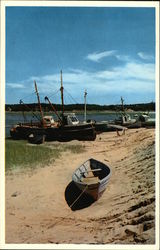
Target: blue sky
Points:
(108, 51)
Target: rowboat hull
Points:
(94, 188)
(95, 191)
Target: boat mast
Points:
(39, 103)
(61, 89)
(122, 102)
(85, 94)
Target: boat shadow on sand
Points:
(72, 192)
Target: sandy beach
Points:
(36, 201)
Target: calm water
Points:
(14, 118)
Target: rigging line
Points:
(78, 197)
(68, 99)
(71, 96)
(29, 95)
(54, 93)
(21, 102)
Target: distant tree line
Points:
(80, 107)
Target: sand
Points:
(36, 207)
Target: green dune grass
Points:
(22, 155)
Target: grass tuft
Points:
(22, 155)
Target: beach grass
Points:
(75, 149)
(22, 155)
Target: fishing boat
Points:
(146, 121)
(53, 132)
(92, 177)
(124, 119)
(102, 126)
(33, 129)
(66, 128)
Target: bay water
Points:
(12, 118)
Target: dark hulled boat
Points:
(84, 132)
(65, 129)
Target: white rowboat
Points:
(92, 177)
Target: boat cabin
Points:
(70, 119)
(143, 117)
(49, 121)
(125, 119)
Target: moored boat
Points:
(101, 126)
(146, 121)
(92, 177)
(124, 119)
(54, 132)
(66, 128)
(139, 120)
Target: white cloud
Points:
(96, 57)
(145, 56)
(135, 78)
(123, 58)
(130, 70)
(142, 71)
(15, 85)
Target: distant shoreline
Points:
(144, 107)
(82, 112)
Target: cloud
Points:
(125, 58)
(15, 85)
(96, 57)
(131, 70)
(134, 78)
(145, 56)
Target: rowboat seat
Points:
(90, 180)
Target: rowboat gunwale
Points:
(100, 181)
